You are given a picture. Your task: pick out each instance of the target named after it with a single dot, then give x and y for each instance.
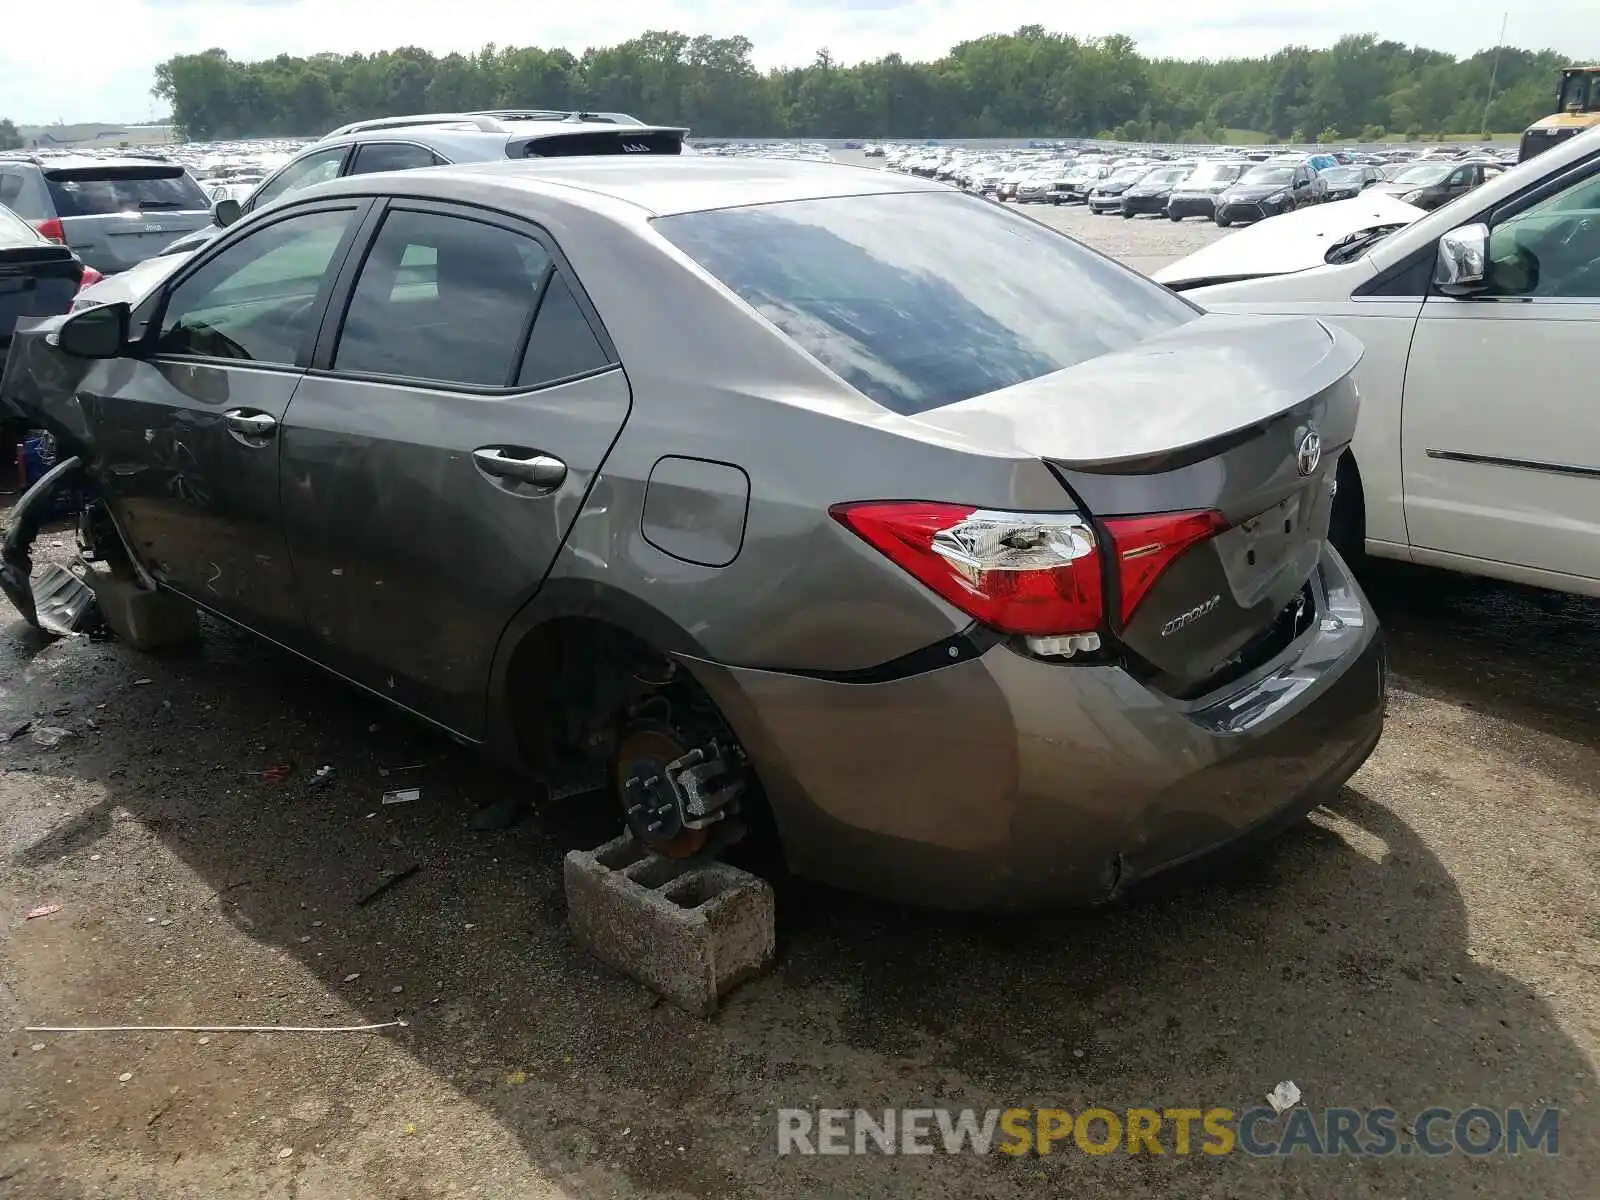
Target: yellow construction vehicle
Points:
(1577, 109)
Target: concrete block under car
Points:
(145, 619)
(692, 934)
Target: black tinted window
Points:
(443, 298)
(562, 343)
(391, 156)
(98, 192)
(925, 299)
(257, 299)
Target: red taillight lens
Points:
(52, 231)
(1036, 574)
(1146, 546)
(90, 278)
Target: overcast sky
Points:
(93, 60)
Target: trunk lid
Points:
(1245, 417)
(35, 281)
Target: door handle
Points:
(250, 424)
(539, 470)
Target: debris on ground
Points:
(402, 796)
(395, 878)
(388, 771)
(18, 730)
(321, 778)
(212, 1029)
(50, 736)
(1284, 1097)
(277, 773)
(44, 910)
(65, 603)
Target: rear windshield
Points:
(92, 192)
(924, 299)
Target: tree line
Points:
(1031, 83)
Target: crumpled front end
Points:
(39, 387)
(39, 390)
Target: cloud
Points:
(117, 43)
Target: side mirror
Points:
(1463, 258)
(226, 212)
(100, 332)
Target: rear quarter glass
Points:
(924, 299)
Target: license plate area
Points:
(1257, 551)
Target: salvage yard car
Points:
(38, 277)
(1479, 445)
(1196, 195)
(113, 213)
(1266, 190)
(987, 571)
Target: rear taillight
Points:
(89, 279)
(1036, 574)
(1147, 546)
(52, 231)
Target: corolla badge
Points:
(1186, 619)
(1308, 455)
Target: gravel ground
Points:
(1432, 937)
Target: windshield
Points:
(920, 299)
(1128, 174)
(1267, 174)
(1166, 175)
(1213, 172)
(1342, 176)
(91, 192)
(1423, 174)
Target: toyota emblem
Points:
(1309, 454)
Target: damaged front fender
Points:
(39, 388)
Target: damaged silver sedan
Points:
(760, 497)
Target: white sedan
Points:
(1478, 447)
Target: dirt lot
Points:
(1430, 938)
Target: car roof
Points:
(661, 185)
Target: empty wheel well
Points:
(579, 687)
(1347, 529)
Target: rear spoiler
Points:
(584, 141)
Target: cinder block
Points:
(692, 935)
(145, 619)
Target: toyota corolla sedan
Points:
(754, 495)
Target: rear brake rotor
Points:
(644, 751)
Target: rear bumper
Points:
(1005, 782)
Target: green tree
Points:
(1029, 82)
(10, 139)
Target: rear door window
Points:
(103, 191)
(443, 298)
(924, 299)
(392, 156)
